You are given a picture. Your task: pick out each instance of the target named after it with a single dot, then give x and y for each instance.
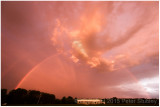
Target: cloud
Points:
(95, 35)
(90, 39)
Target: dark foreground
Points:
(83, 105)
(23, 97)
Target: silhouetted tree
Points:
(3, 96)
(58, 101)
(64, 100)
(46, 98)
(33, 97)
(70, 100)
(17, 96)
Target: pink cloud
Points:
(99, 46)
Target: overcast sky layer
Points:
(82, 49)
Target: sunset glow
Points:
(81, 49)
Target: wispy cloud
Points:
(98, 46)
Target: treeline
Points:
(23, 96)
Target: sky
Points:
(81, 49)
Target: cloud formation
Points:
(100, 31)
(98, 46)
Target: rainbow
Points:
(35, 67)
